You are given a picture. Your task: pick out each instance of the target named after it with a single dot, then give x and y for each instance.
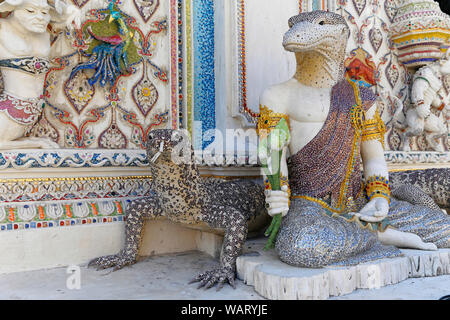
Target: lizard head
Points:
(161, 143)
(318, 30)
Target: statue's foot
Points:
(217, 276)
(434, 144)
(404, 240)
(406, 147)
(439, 148)
(118, 261)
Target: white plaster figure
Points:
(24, 62)
(429, 103)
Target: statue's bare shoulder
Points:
(276, 97)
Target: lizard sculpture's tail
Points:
(414, 195)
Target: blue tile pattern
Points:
(204, 77)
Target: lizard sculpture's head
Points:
(318, 30)
(167, 143)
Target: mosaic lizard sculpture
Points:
(332, 214)
(183, 196)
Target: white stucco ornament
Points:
(419, 31)
(430, 99)
(24, 62)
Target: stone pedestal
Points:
(276, 280)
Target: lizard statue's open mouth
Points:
(158, 153)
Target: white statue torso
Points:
(307, 108)
(15, 45)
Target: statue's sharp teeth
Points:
(155, 157)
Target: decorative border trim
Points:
(174, 61)
(180, 65)
(58, 223)
(34, 190)
(53, 214)
(248, 114)
(76, 158)
(398, 157)
(189, 67)
(308, 5)
(92, 158)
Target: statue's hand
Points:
(277, 202)
(375, 211)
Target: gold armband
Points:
(374, 129)
(268, 120)
(378, 186)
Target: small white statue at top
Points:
(430, 100)
(24, 62)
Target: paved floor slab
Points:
(159, 277)
(166, 277)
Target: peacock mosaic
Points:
(113, 88)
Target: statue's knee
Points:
(310, 246)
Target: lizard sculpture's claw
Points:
(219, 276)
(117, 261)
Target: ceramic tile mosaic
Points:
(204, 76)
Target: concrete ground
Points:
(166, 277)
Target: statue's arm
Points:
(271, 108)
(418, 90)
(376, 172)
(420, 85)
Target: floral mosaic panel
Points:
(118, 115)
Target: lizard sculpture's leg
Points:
(235, 224)
(137, 211)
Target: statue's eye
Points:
(322, 23)
(30, 11)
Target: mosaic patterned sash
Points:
(328, 167)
